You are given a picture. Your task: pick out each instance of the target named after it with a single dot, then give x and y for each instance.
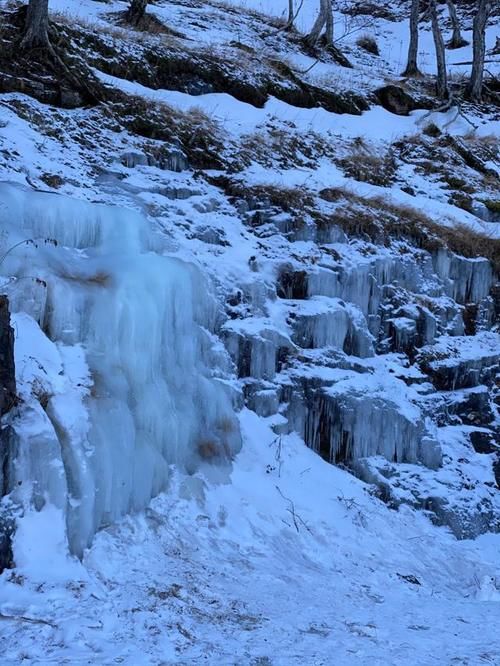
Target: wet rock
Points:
(462, 362)
(470, 407)
(292, 283)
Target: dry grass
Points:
(431, 130)
(199, 136)
(382, 221)
(493, 205)
(367, 165)
(283, 146)
(467, 242)
(287, 199)
(369, 44)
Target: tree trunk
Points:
(328, 22)
(291, 15)
(37, 25)
(313, 36)
(442, 77)
(456, 41)
(412, 67)
(475, 87)
(136, 11)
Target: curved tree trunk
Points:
(456, 41)
(328, 22)
(475, 87)
(324, 20)
(411, 66)
(313, 36)
(442, 77)
(136, 11)
(37, 25)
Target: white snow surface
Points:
(290, 562)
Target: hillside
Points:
(254, 298)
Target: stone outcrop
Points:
(7, 401)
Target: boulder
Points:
(396, 100)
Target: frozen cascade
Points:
(345, 420)
(362, 285)
(329, 322)
(465, 280)
(137, 315)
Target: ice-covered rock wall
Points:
(115, 388)
(379, 357)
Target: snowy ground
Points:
(291, 562)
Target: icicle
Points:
(136, 313)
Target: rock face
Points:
(7, 400)
(385, 362)
(7, 369)
(396, 100)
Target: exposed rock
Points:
(396, 100)
(485, 441)
(292, 283)
(7, 369)
(462, 362)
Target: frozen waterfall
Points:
(105, 294)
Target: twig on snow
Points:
(297, 520)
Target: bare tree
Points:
(442, 77)
(37, 25)
(456, 41)
(411, 66)
(328, 22)
(475, 87)
(291, 14)
(136, 11)
(324, 19)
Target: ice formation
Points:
(103, 442)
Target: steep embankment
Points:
(230, 226)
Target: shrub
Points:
(492, 205)
(431, 130)
(369, 44)
(369, 166)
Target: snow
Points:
(41, 547)
(269, 590)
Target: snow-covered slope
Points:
(240, 268)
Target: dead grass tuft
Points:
(382, 221)
(368, 43)
(369, 166)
